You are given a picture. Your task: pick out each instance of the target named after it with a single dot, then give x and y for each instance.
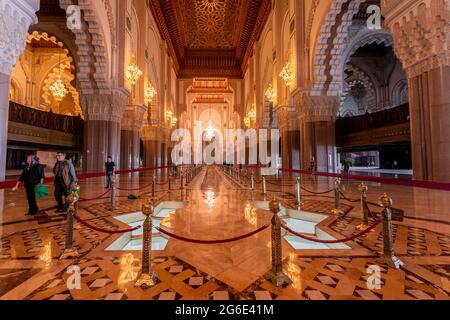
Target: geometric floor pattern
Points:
(322, 279)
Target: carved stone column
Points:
(422, 43)
(103, 115)
(317, 125)
(130, 141)
(290, 137)
(152, 137)
(15, 19)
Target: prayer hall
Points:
(224, 150)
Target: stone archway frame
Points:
(330, 45)
(92, 55)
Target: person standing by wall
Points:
(65, 177)
(32, 175)
(109, 166)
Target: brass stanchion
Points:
(365, 212)
(253, 181)
(182, 183)
(298, 191)
(147, 277)
(113, 193)
(388, 239)
(264, 187)
(170, 184)
(153, 186)
(337, 198)
(276, 275)
(70, 252)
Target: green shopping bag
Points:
(40, 191)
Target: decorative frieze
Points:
(421, 31)
(104, 107)
(133, 117)
(15, 19)
(317, 108)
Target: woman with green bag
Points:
(33, 179)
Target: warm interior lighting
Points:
(209, 132)
(133, 74)
(288, 74)
(271, 94)
(150, 92)
(58, 89)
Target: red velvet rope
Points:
(348, 199)
(90, 226)
(309, 191)
(167, 233)
(96, 198)
(401, 182)
(135, 189)
(372, 227)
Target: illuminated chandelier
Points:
(287, 74)
(133, 74)
(209, 132)
(271, 94)
(58, 89)
(150, 92)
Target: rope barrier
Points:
(135, 189)
(96, 198)
(369, 229)
(181, 238)
(90, 226)
(348, 199)
(324, 192)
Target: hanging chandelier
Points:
(174, 122)
(247, 122)
(287, 74)
(209, 132)
(58, 89)
(133, 74)
(271, 94)
(150, 92)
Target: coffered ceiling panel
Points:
(210, 38)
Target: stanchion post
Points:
(113, 193)
(70, 252)
(253, 181)
(154, 186)
(365, 212)
(276, 275)
(147, 277)
(298, 191)
(182, 183)
(388, 239)
(264, 187)
(337, 197)
(170, 184)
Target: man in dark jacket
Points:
(109, 166)
(32, 175)
(65, 177)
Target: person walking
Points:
(65, 177)
(110, 166)
(32, 176)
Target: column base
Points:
(146, 280)
(392, 261)
(278, 279)
(69, 254)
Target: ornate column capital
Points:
(133, 117)
(152, 132)
(104, 107)
(287, 118)
(317, 108)
(421, 32)
(15, 19)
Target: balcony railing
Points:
(382, 119)
(48, 120)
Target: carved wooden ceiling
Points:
(210, 38)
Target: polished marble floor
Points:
(214, 207)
